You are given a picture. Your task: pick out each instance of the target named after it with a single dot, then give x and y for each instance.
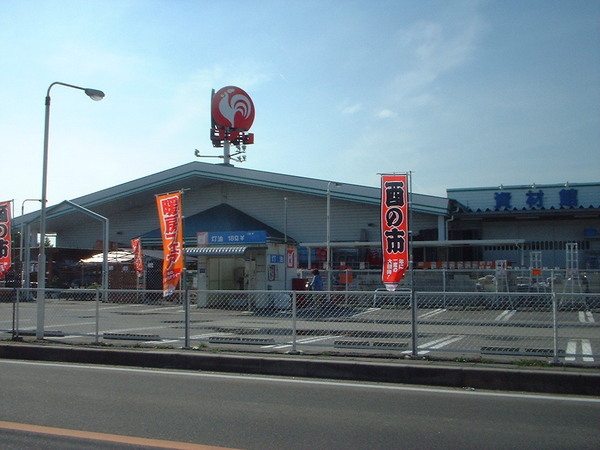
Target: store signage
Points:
(170, 217)
(394, 229)
(231, 237)
(232, 108)
(276, 259)
(291, 258)
(5, 241)
(505, 199)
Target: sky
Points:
(461, 94)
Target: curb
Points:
(540, 380)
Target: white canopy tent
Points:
(115, 257)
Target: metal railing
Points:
(556, 327)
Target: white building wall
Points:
(306, 215)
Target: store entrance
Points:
(231, 274)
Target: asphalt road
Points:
(251, 412)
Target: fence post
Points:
(444, 284)
(186, 295)
(15, 318)
(413, 319)
(294, 350)
(97, 341)
(555, 328)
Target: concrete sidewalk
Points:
(556, 380)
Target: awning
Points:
(224, 250)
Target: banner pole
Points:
(413, 296)
(184, 280)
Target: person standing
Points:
(316, 284)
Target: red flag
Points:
(394, 229)
(138, 262)
(5, 242)
(170, 215)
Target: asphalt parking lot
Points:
(444, 333)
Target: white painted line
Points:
(586, 349)
(370, 310)
(205, 335)
(163, 341)
(127, 330)
(72, 324)
(197, 336)
(307, 340)
(435, 312)
(448, 342)
(59, 338)
(438, 343)
(164, 308)
(506, 315)
(571, 350)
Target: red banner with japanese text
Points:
(5, 242)
(171, 227)
(394, 229)
(138, 261)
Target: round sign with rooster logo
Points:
(232, 108)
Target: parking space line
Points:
(586, 349)
(586, 317)
(436, 344)
(370, 310)
(571, 350)
(435, 312)
(505, 315)
(307, 340)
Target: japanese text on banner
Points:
(5, 242)
(394, 229)
(170, 215)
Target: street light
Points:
(95, 95)
(328, 263)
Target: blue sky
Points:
(461, 93)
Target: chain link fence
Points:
(556, 326)
(468, 280)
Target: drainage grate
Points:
(543, 351)
(499, 350)
(240, 340)
(132, 337)
(376, 344)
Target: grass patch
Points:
(531, 363)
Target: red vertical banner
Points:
(5, 242)
(394, 229)
(171, 227)
(138, 261)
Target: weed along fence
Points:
(552, 326)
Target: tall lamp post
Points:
(329, 232)
(95, 95)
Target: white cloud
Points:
(386, 114)
(351, 109)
